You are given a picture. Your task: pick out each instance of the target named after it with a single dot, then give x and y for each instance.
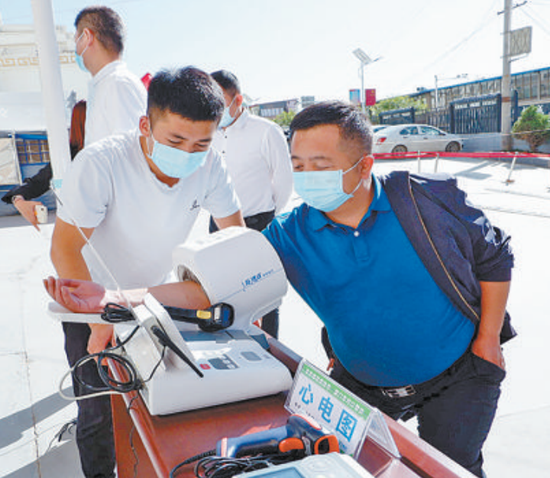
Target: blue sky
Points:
(289, 48)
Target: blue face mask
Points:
(227, 119)
(174, 162)
(323, 190)
(78, 58)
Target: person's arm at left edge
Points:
(486, 345)
(235, 219)
(21, 197)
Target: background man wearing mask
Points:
(116, 97)
(257, 157)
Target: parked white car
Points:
(415, 137)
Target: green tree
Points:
(397, 103)
(532, 126)
(284, 119)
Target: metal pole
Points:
(506, 93)
(436, 94)
(510, 180)
(52, 89)
(418, 161)
(436, 163)
(362, 96)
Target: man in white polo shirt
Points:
(256, 152)
(136, 196)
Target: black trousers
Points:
(258, 222)
(455, 410)
(94, 428)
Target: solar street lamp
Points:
(365, 60)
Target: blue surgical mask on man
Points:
(174, 162)
(227, 119)
(79, 58)
(323, 190)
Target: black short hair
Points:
(228, 81)
(352, 123)
(188, 92)
(106, 24)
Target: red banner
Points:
(370, 97)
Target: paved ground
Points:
(32, 360)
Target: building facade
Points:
(533, 88)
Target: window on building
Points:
(526, 86)
(453, 93)
(518, 86)
(535, 85)
(444, 100)
(545, 83)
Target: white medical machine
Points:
(235, 266)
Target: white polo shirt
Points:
(138, 220)
(116, 100)
(257, 157)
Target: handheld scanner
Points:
(217, 317)
(315, 439)
(300, 435)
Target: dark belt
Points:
(409, 390)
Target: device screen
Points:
(284, 473)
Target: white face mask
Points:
(227, 119)
(323, 190)
(80, 58)
(174, 162)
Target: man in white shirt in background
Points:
(256, 152)
(116, 97)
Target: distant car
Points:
(415, 137)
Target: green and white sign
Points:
(315, 394)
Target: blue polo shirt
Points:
(388, 321)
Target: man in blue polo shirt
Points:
(410, 281)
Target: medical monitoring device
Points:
(237, 267)
(331, 465)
